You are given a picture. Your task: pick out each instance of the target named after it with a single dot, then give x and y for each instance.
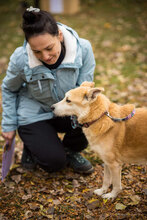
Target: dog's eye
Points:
(68, 101)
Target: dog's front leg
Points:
(106, 182)
(115, 171)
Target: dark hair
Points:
(35, 23)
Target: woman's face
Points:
(46, 47)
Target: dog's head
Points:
(77, 101)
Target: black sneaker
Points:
(79, 163)
(27, 160)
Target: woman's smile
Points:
(46, 47)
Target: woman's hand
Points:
(8, 136)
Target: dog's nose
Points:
(52, 108)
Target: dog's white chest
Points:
(99, 145)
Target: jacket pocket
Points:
(40, 90)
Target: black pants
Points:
(41, 139)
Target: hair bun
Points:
(30, 17)
(36, 21)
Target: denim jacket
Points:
(29, 88)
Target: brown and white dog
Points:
(117, 133)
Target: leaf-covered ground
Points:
(66, 195)
(117, 31)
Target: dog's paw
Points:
(99, 192)
(109, 195)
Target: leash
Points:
(121, 119)
(75, 123)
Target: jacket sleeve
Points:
(10, 88)
(86, 72)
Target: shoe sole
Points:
(29, 167)
(91, 170)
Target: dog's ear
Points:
(93, 93)
(88, 84)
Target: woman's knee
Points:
(53, 163)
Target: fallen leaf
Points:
(135, 200)
(56, 202)
(28, 214)
(120, 206)
(34, 206)
(107, 43)
(9, 184)
(50, 200)
(92, 200)
(93, 203)
(126, 47)
(145, 191)
(107, 25)
(26, 197)
(16, 178)
(75, 183)
(20, 170)
(70, 190)
(85, 190)
(105, 201)
(1, 216)
(50, 210)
